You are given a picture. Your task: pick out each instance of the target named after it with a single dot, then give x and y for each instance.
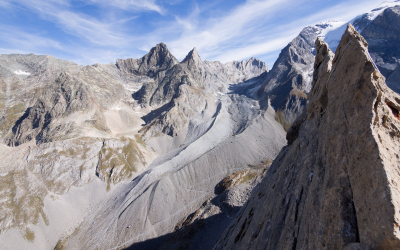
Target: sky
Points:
(101, 31)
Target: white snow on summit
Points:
(334, 34)
(20, 72)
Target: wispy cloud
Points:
(218, 31)
(101, 30)
(26, 41)
(190, 22)
(78, 24)
(251, 29)
(136, 5)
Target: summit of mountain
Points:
(158, 59)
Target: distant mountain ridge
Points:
(69, 127)
(288, 83)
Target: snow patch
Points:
(332, 35)
(20, 72)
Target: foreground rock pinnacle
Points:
(335, 186)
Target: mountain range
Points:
(157, 153)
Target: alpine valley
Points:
(157, 153)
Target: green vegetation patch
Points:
(21, 202)
(11, 116)
(280, 118)
(119, 163)
(29, 235)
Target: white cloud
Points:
(91, 29)
(239, 23)
(253, 28)
(26, 41)
(254, 49)
(135, 5)
(190, 22)
(105, 33)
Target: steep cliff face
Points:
(288, 83)
(383, 38)
(335, 185)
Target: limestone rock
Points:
(335, 185)
(158, 59)
(183, 91)
(289, 81)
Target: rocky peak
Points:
(158, 59)
(158, 55)
(193, 59)
(252, 64)
(333, 186)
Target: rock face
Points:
(247, 69)
(158, 59)
(335, 185)
(289, 80)
(393, 81)
(383, 38)
(178, 94)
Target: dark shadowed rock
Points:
(383, 36)
(393, 81)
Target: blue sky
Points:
(101, 31)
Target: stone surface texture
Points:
(335, 186)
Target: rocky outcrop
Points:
(184, 90)
(335, 185)
(68, 96)
(289, 81)
(158, 59)
(247, 69)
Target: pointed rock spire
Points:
(335, 185)
(192, 56)
(158, 59)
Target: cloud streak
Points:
(134, 5)
(101, 31)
